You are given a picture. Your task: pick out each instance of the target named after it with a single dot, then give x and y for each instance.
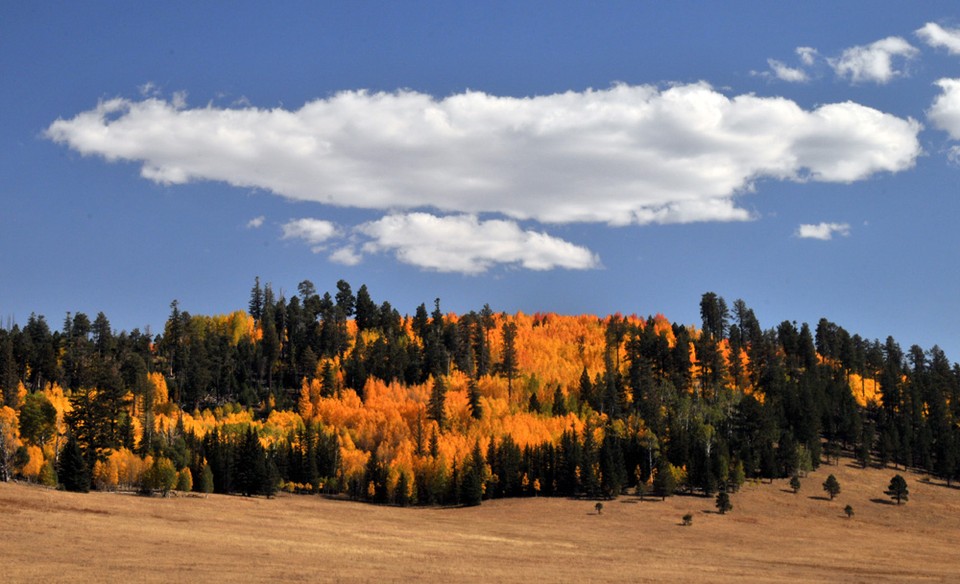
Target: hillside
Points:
(341, 396)
(771, 535)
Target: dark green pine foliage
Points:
(898, 489)
(533, 406)
(664, 482)
(471, 488)
(73, 472)
(252, 475)
(508, 358)
(438, 398)
(831, 486)
(590, 466)
(473, 397)
(723, 503)
(559, 402)
(613, 472)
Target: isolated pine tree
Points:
(795, 484)
(831, 486)
(723, 502)
(898, 489)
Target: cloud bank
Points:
(823, 231)
(623, 155)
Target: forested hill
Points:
(336, 393)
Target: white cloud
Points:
(807, 55)
(938, 37)
(785, 73)
(627, 154)
(873, 62)
(312, 231)
(347, 256)
(823, 231)
(945, 111)
(464, 244)
(256, 222)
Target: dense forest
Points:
(338, 394)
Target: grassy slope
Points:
(771, 535)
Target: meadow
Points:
(771, 535)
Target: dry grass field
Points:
(771, 535)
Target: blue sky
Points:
(569, 157)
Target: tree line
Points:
(481, 407)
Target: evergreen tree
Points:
(831, 486)
(402, 491)
(472, 485)
(367, 313)
(438, 397)
(256, 300)
(898, 489)
(795, 484)
(664, 481)
(205, 483)
(559, 402)
(251, 474)
(473, 398)
(534, 404)
(508, 357)
(723, 503)
(73, 472)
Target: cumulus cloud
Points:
(463, 243)
(627, 154)
(873, 62)
(785, 73)
(823, 231)
(256, 222)
(312, 231)
(940, 38)
(945, 111)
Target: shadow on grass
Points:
(880, 501)
(819, 498)
(791, 491)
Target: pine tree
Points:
(664, 481)
(251, 465)
(472, 486)
(73, 472)
(256, 300)
(831, 486)
(795, 484)
(205, 481)
(438, 398)
(723, 502)
(559, 402)
(473, 397)
(534, 405)
(402, 490)
(898, 489)
(508, 357)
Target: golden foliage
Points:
(35, 461)
(865, 390)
